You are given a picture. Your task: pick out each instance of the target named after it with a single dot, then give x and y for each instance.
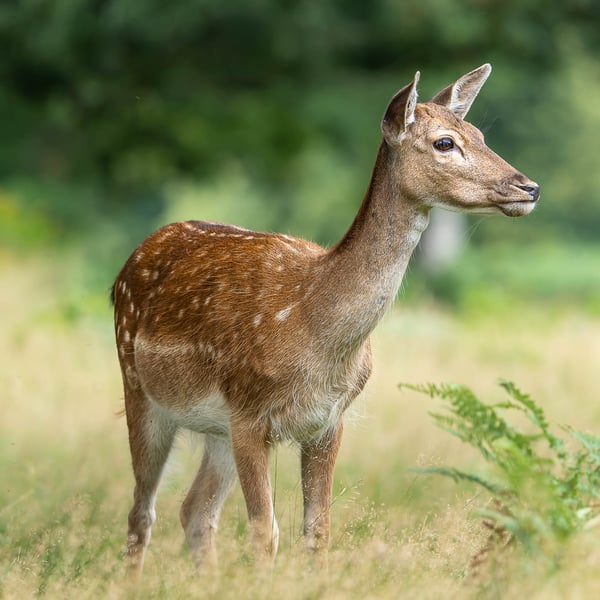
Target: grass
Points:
(66, 485)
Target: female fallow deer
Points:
(253, 338)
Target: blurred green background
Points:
(118, 116)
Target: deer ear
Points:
(401, 112)
(459, 96)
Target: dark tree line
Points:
(133, 93)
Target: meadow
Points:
(120, 116)
(66, 482)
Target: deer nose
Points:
(533, 189)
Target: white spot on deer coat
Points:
(283, 314)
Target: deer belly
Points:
(204, 415)
(303, 421)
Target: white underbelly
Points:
(205, 415)
(298, 421)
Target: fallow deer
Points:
(253, 338)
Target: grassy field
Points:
(66, 483)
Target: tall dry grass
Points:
(66, 483)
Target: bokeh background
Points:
(118, 116)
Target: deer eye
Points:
(444, 144)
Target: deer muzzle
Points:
(519, 196)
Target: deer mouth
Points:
(516, 208)
(520, 200)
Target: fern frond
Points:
(542, 495)
(458, 475)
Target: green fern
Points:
(544, 487)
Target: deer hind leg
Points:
(150, 439)
(318, 460)
(251, 453)
(202, 506)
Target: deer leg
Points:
(251, 453)
(318, 461)
(150, 440)
(201, 508)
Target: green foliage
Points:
(132, 96)
(118, 116)
(545, 488)
(498, 277)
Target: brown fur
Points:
(252, 338)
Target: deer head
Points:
(445, 161)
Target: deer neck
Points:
(365, 269)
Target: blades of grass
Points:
(510, 524)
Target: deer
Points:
(255, 338)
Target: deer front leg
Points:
(251, 453)
(318, 461)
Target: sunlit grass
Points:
(66, 483)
